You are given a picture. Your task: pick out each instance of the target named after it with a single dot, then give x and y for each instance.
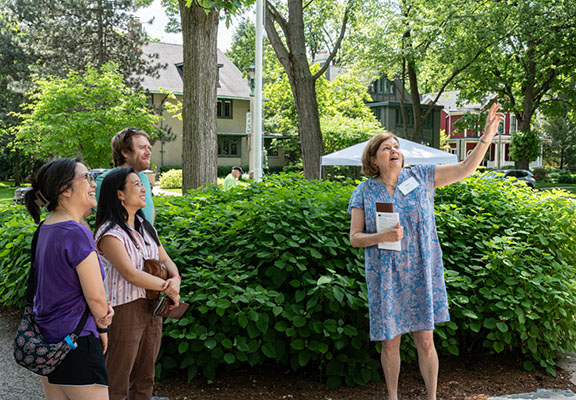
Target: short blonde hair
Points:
(368, 167)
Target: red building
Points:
(463, 141)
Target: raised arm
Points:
(448, 174)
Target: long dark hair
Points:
(48, 183)
(111, 210)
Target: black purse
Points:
(30, 348)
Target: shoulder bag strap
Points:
(31, 289)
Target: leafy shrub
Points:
(274, 169)
(567, 178)
(271, 276)
(166, 168)
(561, 176)
(16, 231)
(293, 168)
(171, 179)
(510, 259)
(540, 174)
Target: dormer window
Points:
(180, 68)
(383, 86)
(219, 66)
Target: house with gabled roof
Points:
(463, 141)
(233, 110)
(387, 103)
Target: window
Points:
(387, 86)
(507, 152)
(377, 111)
(383, 86)
(513, 124)
(501, 128)
(229, 146)
(270, 151)
(224, 109)
(407, 113)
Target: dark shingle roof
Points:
(231, 82)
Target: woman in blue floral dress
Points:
(406, 290)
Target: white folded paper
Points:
(385, 221)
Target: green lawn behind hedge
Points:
(6, 192)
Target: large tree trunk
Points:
(292, 56)
(311, 142)
(199, 137)
(16, 166)
(524, 125)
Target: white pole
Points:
(258, 93)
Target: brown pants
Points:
(133, 345)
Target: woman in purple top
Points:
(406, 290)
(69, 278)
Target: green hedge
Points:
(271, 276)
(510, 260)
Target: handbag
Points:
(156, 268)
(30, 348)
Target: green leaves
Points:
(79, 114)
(511, 283)
(507, 290)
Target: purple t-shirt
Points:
(59, 302)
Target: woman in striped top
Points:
(125, 240)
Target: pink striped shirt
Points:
(119, 290)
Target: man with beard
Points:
(131, 149)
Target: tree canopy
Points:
(533, 65)
(69, 35)
(427, 44)
(78, 115)
(345, 119)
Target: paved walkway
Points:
(16, 382)
(157, 191)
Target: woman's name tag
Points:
(408, 185)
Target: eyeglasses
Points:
(89, 178)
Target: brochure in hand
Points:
(386, 218)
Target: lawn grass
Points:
(6, 192)
(569, 187)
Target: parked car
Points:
(19, 194)
(523, 175)
(96, 172)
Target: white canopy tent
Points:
(414, 153)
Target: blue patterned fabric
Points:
(406, 289)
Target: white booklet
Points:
(385, 221)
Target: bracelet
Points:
(483, 141)
(176, 276)
(101, 330)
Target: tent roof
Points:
(414, 153)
